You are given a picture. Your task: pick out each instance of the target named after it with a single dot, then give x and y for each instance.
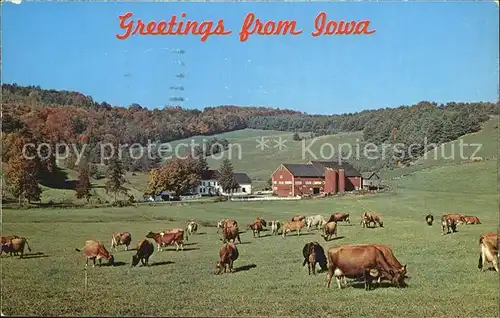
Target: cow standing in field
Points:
(256, 227)
(339, 217)
(275, 226)
(319, 256)
(230, 233)
(317, 220)
(5, 241)
(120, 238)
(15, 245)
(95, 250)
(192, 228)
(144, 250)
(371, 217)
(166, 239)
(181, 231)
(390, 258)
(468, 219)
(228, 253)
(329, 229)
(293, 226)
(449, 224)
(261, 220)
(224, 223)
(355, 261)
(429, 219)
(488, 243)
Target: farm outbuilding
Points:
(371, 180)
(315, 177)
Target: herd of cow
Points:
(368, 261)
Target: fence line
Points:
(266, 199)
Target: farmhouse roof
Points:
(303, 170)
(210, 174)
(369, 175)
(242, 178)
(350, 171)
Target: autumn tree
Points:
(227, 180)
(176, 176)
(116, 176)
(83, 184)
(22, 174)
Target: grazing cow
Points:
(456, 217)
(329, 229)
(256, 227)
(168, 238)
(429, 219)
(95, 249)
(488, 243)
(228, 253)
(319, 256)
(192, 228)
(371, 217)
(317, 220)
(230, 233)
(275, 226)
(339, 217)
(144, 250)
(389, 256)
(15, 245)
(5, 241)
(468, 219)
(448, 223)
(120, 238)
(355, 261)
(293, 226)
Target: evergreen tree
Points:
(296, 136)
(83, 184)
(226, 180)
(115, 175)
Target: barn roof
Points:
(303, 170)
(368, 175)
(350, 171)
(242, 178)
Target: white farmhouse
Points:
(209, 184)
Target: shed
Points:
(371, 180)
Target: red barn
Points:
(315, 177)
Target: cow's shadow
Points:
(119, 263)
(244, 268)
(333, 238)
(161, 263)
(360, 284)
(35, 255)
(243, 243)
(188, 244)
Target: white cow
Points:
(317, 220)
(192, 227)
(275, 226)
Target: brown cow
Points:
(289, 226)
(256, 227)
(449, 222)
(224, 223)
(230, 233)
(371, 217)
(361, 261)
(228, 253)
(95, 249)
(319, 255)
(311, 264)
(488, 243)
(339, 217)
(178, 230)
(299, 218)
(329, 229)
(167, 239)
(144, 250)
(16, 245)
(5, 241)
(389, 256)
(468, 219)
(261, 220)
(120, 238)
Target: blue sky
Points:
(420, 51)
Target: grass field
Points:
(270, 280)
